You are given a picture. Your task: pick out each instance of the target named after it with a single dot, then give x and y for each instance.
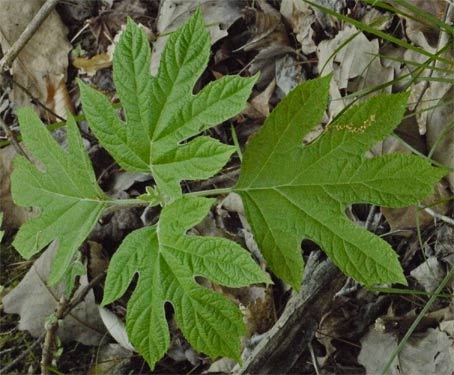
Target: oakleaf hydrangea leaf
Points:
(62, 185)
(292, 191)
(167, 262)
(162, 112)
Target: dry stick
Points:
(21, 356)
(12, 139)
(26, 35)
(64, 307)
(37, 101)
(284, 344)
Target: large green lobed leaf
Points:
(167, 262)
(161, 112)
(62, 185)
(291, 191)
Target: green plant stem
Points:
(119, 203)
(407, 291)
(205, 193)
(376, 32)
(129, 202)
(412, 328)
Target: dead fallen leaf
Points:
(429, 274)
(14, 216)
(34, 301)
(349, 62)
(259, 107)
(111, 359)
(220, 15)
(91, 65)
(221, 366)
(116, 328)
(42, 64)
(269, 37)
(288, 74)
(410, 217)
(301, 17)
(417, 24)
(425, 353)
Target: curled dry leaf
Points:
(90, 65)
(269, 38)
(41, 65)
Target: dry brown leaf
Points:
(269, 37)
(14, 216)
(42, 64)
(408, 218)
(90, 65)
(259, 107)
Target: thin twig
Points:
(21, 356)
(438, 216)
(36, 101)
(64, 307)
(26, 35)
(12, 139)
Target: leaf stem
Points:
(129, 202)
(205, 193)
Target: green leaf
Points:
(75, 270)
(167, 262)
(162, 112)
(291, 191)
(63, 185)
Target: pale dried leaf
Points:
(34, 301)
(41, 65)
(427, 353)
(301, 17)
(429, 274)
(288, 74)
(220, 15)
(350, 61)
(116, 328)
